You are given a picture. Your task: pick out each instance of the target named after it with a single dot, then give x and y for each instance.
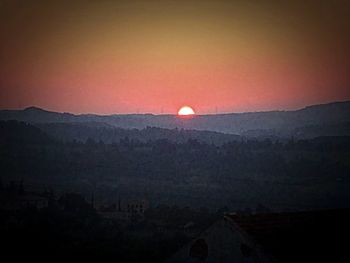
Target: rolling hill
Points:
(311, 121)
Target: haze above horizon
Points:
(126, 57)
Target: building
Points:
(34, 200)
(310, 236)
(15, 197)
(136, 206)
(124, 210)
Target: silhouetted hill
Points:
(110, 134)
(14, 132)
(295, 173)
(255, 124)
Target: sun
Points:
(186, 111)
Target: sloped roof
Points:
(308, 236)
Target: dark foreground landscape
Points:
(85, 187)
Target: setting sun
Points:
(186, 111)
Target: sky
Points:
(155, 56)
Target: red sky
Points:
(155, 56)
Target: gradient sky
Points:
(154, 56)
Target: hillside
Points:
(254, 124)
(82, 131)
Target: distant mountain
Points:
(250, 124)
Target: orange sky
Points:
(154, 56)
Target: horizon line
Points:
(172, 114)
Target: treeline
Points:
(187, 170)
(110, 134)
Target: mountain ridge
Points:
(313, 106)
(282, 123)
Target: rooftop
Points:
(299, 236)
